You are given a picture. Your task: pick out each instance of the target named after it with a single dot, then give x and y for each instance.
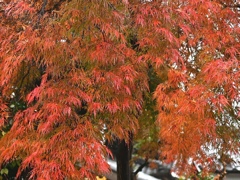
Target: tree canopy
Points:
(80, 67)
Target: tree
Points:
(84, 66)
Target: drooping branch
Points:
(141, 166)
(43, 7)
(222, 174)
(234, 5)
(24, 76)
(41, 13)
(56, 6)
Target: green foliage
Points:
(4, 171)
(199, 176)
(9, 171)
(147, 140)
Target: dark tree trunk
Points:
(124, 155)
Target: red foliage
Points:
(82, 65)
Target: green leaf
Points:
(3, 133)
(4, 171)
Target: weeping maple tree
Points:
(80, 70)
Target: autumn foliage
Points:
(83, 66)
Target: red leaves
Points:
(49, 44)
(91, 59)
(233, 51)
(220, 102)
(166, 33)
(158, 61)
(95, 108)
(4, 113)
(126, 104)
(219, 72)
(129, 73)
(72, 100)
(34, 95)
(113, 107)
(209, 127)
(185, 119)
(115, 79)
(140, 20)
(86, 75)
(125, 2)
(176, 77)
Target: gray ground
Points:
(230, 176)
(233, 176)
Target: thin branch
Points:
(141, 167)
(43, 8)
(235, 5)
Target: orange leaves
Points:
(126, 104)
(220, 102)
(233, 51)
(158, 61)
(125, 2)
(140, 20)
(145, 42)
(90, 64)
(95, 108)
(185, 119)
(116, 80)
(118, 15)
(129, 73)
(19, 8)
(49, 44)
(113, 107)
(33, 95)
(185, 29)
(4, 113)
(176, 77)
(72, 100)
(209, 127)
(98, 76)
(166, 33)
(74, 154)
(102, 49)
(218, 71)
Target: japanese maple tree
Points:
(80, 67)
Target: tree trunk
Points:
(124, 155)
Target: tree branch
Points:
(235, 5)
(43, 7)
(141, 167)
